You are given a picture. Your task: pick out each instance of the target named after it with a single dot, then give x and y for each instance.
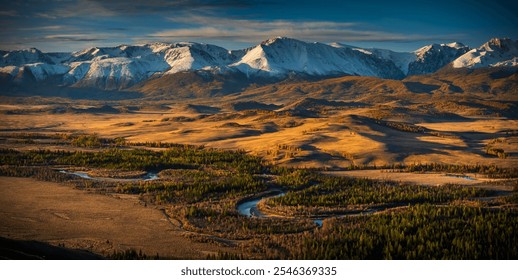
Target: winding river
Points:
(465, 177)
(147, 177)
(249, 207)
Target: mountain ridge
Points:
(126, 66)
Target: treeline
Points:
(491, 171)
(190, 174)
(35, 136)
(74, 139)
(225, 256)
(44, 173)
(344, 191)
(94, 141)
(419, 232)
(202, 186)
(132, 254)
(137, 159)
(37, 172)
(154, 144)
(496, 152)
(401, 126)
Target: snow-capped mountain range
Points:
(124, 66)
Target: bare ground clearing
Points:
(58, 214)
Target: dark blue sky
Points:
(70, 25)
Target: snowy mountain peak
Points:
(426, 50)
(281, 56)
(494, 53)
(504, 44)
(455, 45)
(337, 45)
(22, 57)
(277, 40)
(433, 57)
(342, 45)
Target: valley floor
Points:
(347, 137)
(337, 149)
(103, 224)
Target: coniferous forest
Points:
(316, 216)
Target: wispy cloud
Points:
(44, 28)
(9, 13)
(55, 9)
(225, 22)
(74, 38)
(81, 8)
(45, 15)
(245, 30)
(167, 6)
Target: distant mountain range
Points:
(123, 67)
